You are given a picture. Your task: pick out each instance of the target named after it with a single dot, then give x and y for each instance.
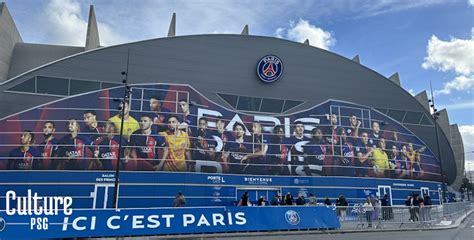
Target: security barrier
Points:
(358, 216)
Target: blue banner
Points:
(164, 221)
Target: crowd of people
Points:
(163, 140)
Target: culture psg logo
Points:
(270, 68)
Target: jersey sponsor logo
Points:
(270, 68)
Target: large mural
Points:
(175, 128)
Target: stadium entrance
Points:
(256, 193)
(386, 190)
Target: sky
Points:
(423, 40)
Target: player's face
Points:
(344, 135)
(280, 133)
(25, 138)
(404, 149)
(126, 109)
(48, 129)
(299, 128)
(410, 147)
(73, 126)
(376, 127)
(155, 104)
(365, 138)
(395, 136)
(172, 123)
(183, 106)
(109, 128)
(333, 119)
(353, 120)
(89, 118)
(318, 135)
(145, 123)
(239, 131)
(395, 150)
(256, 128)
(382, 144)
(220, 126)
(202, 125)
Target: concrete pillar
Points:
(9, 36)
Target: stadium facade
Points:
(228, 114)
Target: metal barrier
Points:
(357, 216)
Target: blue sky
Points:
(421, 40)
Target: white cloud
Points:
(467, 133)
(303, 30)
(455, 54)
(459, 106)
(460, 83)
(66, 25)
(471, 2)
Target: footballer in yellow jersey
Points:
(130, 125)
(176, 150)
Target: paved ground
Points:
(464, 232)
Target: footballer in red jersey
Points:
(24, 157)
(49, 147)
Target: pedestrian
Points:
(300, 200)
(385, 208)
(289, 199)
(341, 204)
(421, 206)
(327, 201)
(368, 208)
(261, 201)
(409, 205)
(276, 200)
(416, 207)
(312, 199)
(244, 200)
(179, 200)
(427, 203)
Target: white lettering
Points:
(203, 220)
(109, 222)
(240, 218)
(137, 222)
(188, 219)
(218, 218)
(153, 221)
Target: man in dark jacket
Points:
(179, 200)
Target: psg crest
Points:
(270, 68)
(292, 217)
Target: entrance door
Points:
(386, 190)
(256, 193)
(103, 196)
(425, 191)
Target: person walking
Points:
(368, 208)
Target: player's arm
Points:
(356, 130)
(166, 152)
(96, 159)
